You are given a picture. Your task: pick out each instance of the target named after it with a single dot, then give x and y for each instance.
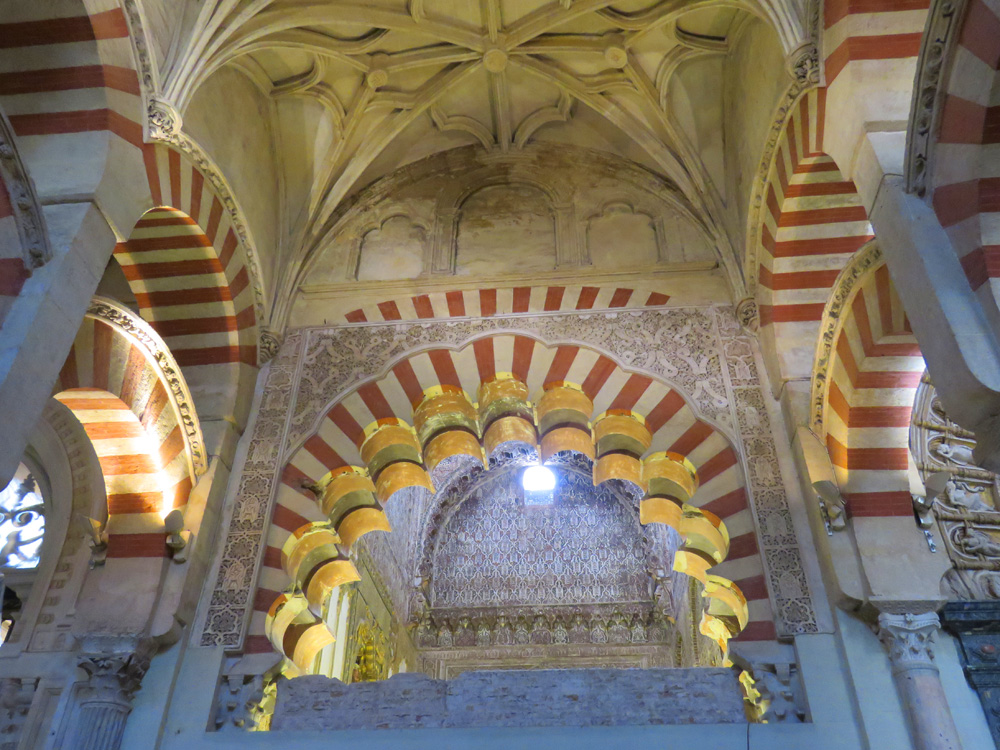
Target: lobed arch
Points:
(124, 387)
(868, 369)
(811, 221)
(333, 443)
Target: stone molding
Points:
(844, 288)
(700, 351)
(139, 331)
(909, 638)
(937, 49)
(31, 227)
(148, 78)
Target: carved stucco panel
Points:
(702, 351)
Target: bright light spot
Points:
(538, 479)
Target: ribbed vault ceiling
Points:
(398, 80)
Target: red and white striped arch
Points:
(874, 371)
(870, 50)
(69, 87)
(117, 389)
(965, 177)
(813, 221)
(674, 425)
(492, 301)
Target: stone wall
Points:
(531, 698)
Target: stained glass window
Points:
(22, 521)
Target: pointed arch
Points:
(964, 168)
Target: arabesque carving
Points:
(701, 351)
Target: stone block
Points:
(514, 698)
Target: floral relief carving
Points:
(702, 351)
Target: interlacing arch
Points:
(865, 388)
(418, 424)
(126, 390)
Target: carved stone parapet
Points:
(908, 638)
(772, 687)
(977, 627)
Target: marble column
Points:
(908, 638)
(105, 700)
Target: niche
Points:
(506, 229)
(620, 237)
(393, 251)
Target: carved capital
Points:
(164, 121)
(803, 64)
(908, 638)
(270, 342)
(115, 677)
(748, 315)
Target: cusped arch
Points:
(332, 445)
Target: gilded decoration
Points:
(966, 511)
(703, 352)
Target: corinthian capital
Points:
(114, 677)
(908, 638)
